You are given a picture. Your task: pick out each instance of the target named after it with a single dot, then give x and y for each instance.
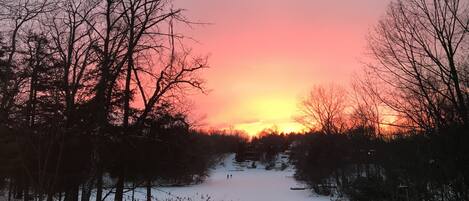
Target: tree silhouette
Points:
(420, 47)
(324, 109)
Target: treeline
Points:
(265, 147)
(42, 168)
(401, 133)
(412, 166)
(92, 100)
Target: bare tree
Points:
(324, 109)
(72, 40)
(419, 49)
(137, 50)
(109, 66)
(367, 108)
(15, 15)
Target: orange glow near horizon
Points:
(270, 113)
(266, 54)
(252, 129)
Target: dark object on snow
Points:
(253, 165)
(297, 188)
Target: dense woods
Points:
(410, 166)
(92, 99)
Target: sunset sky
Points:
(266, 54)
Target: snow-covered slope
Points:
(246, 184)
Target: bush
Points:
(368, 188)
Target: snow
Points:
(246, 184)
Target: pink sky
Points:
(266, 54)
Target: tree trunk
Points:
(86, 191)
(18, 192)
(10, 188)
(127, 95)
(32, 98)
(72, 194)
(149, 190)
(50, 196)
(26, 192)
(119, 189)
(133, 191)
(130, 63)
(99, 184)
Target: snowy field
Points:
(246, 184)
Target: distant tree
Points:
(324, 109)
(367, 109)
(241, 151)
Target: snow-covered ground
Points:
(246, 184)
